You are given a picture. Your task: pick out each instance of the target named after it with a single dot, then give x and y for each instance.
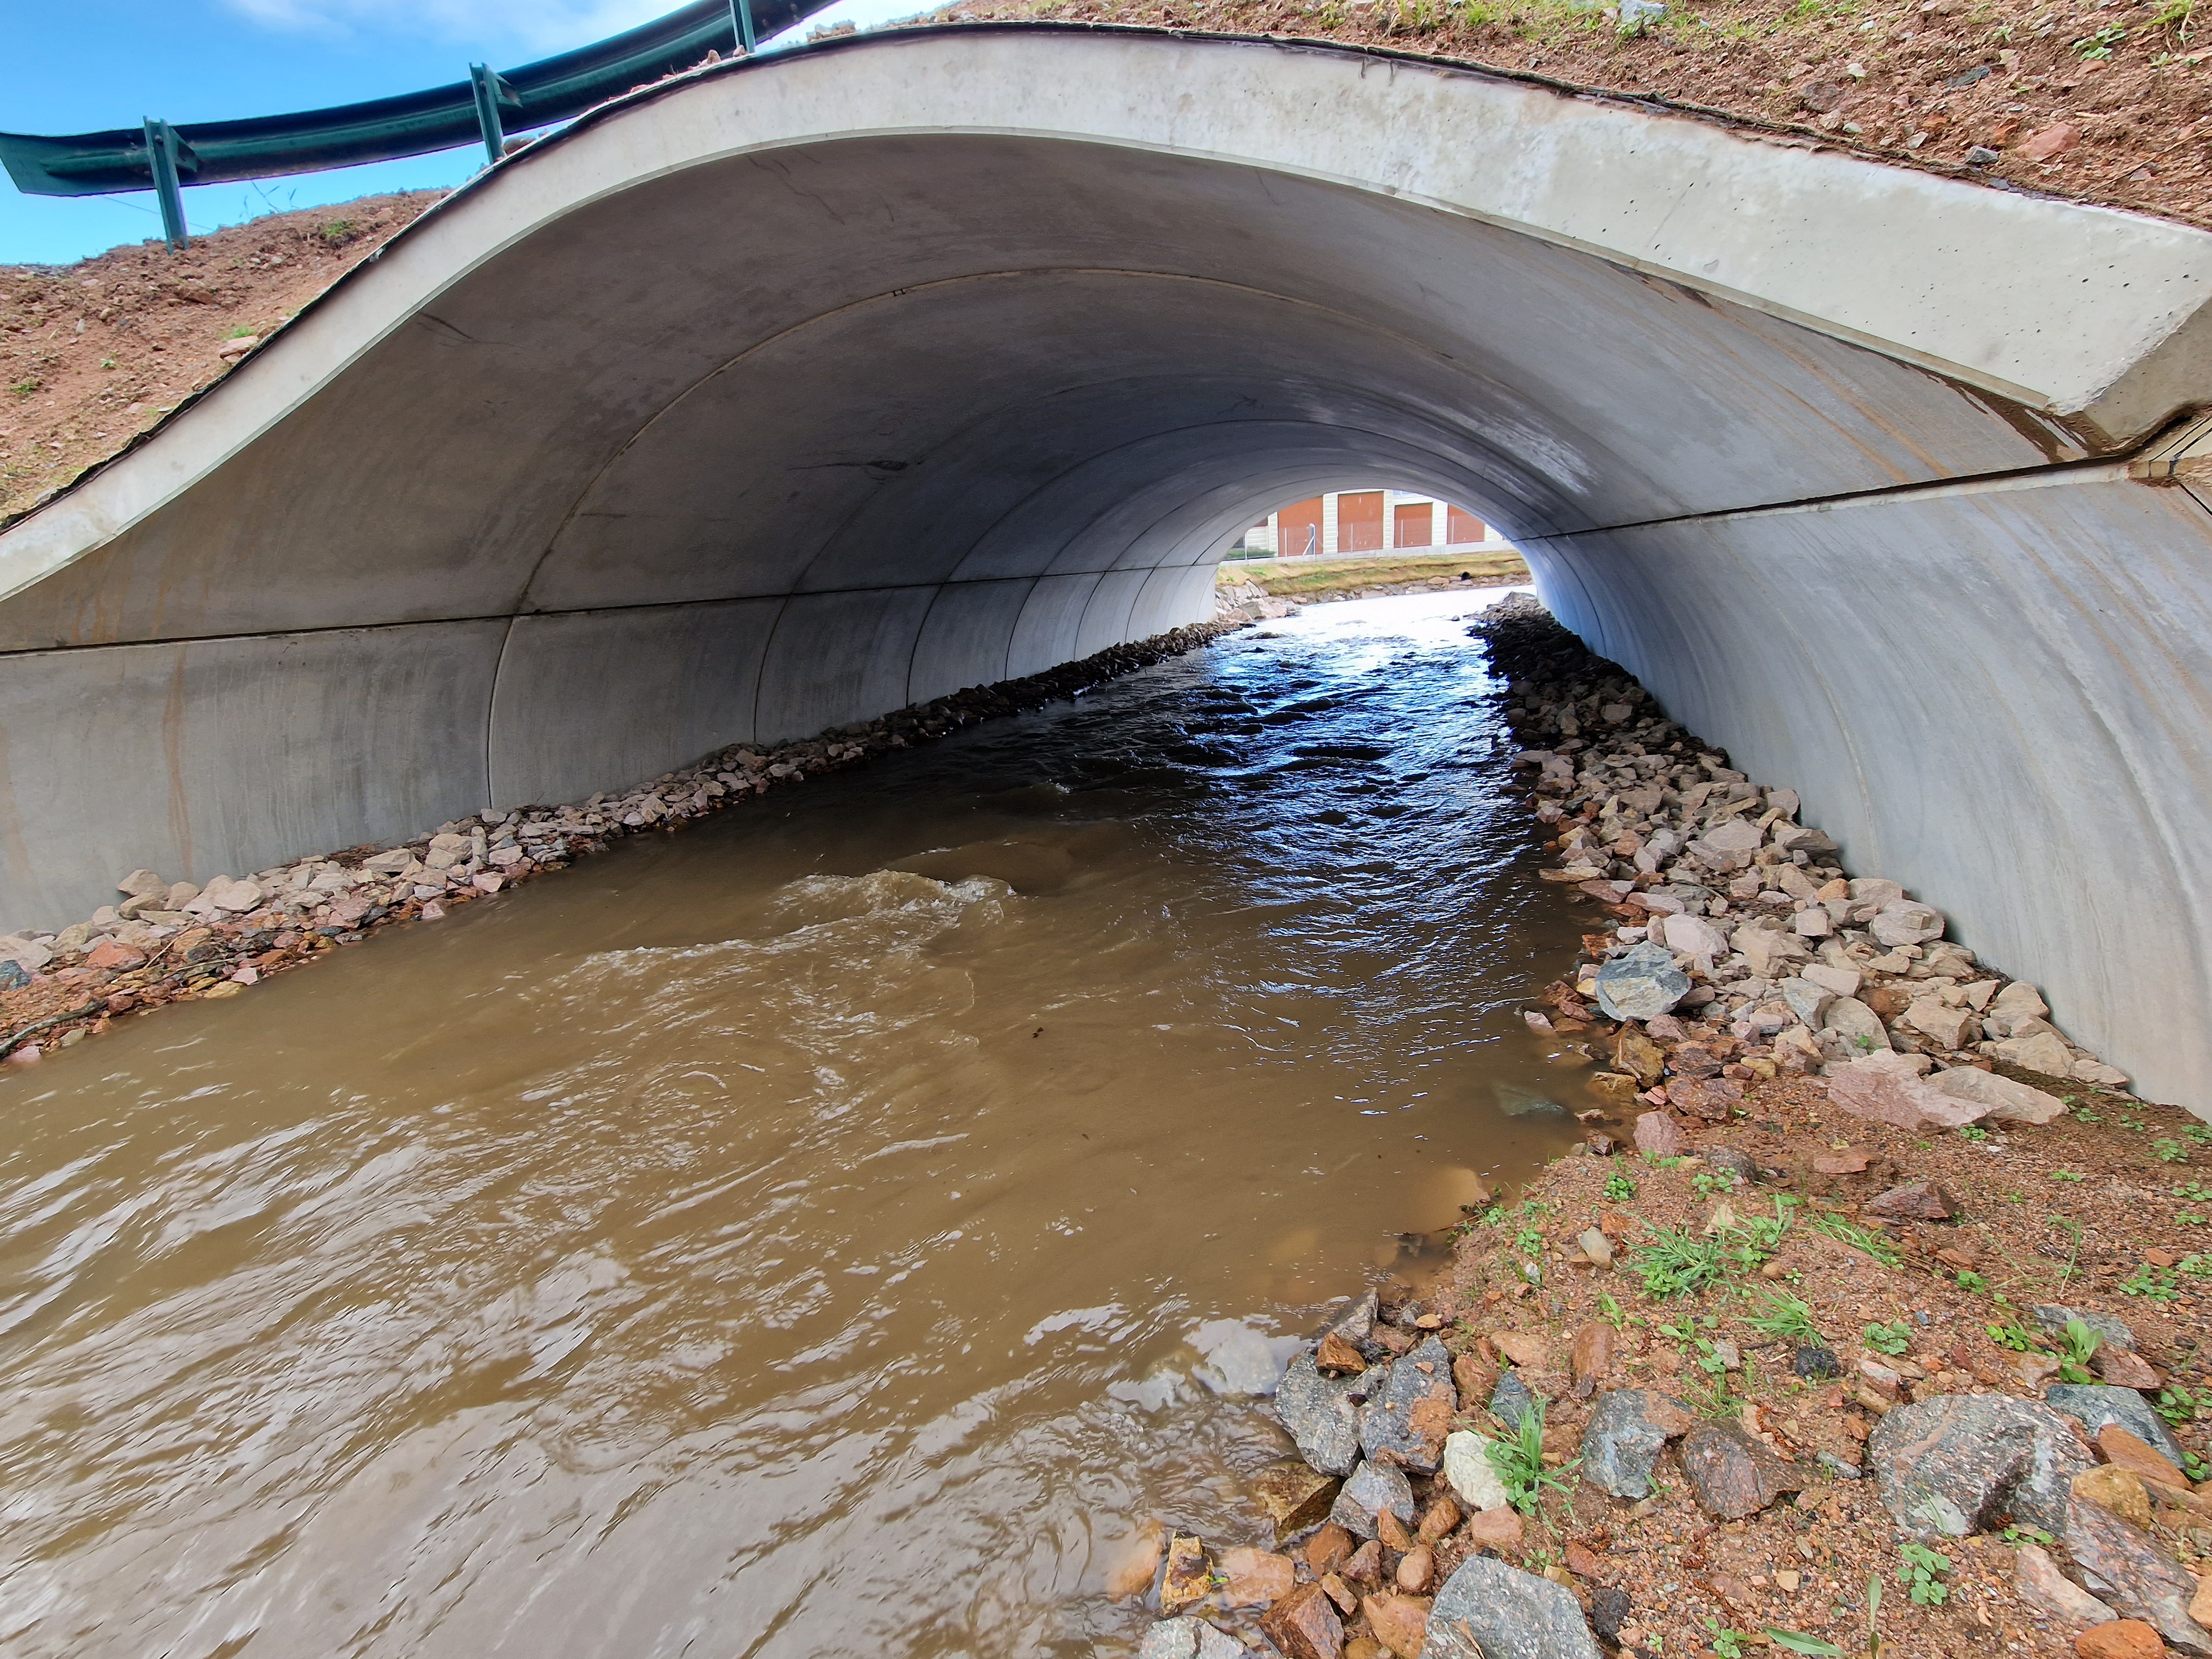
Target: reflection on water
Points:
(822, 1232)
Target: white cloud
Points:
(499, 28)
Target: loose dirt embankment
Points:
(95, 354)
(1823, 1333)
(2095, 99)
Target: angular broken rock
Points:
(1293, 1495)
(1339, 1358)
(1592, 1355)
(1903, 921)
(1304, 1626)
(2097, 1404)
(2045, 1052)
(1187, 1579)
(1469, 1472)
(1399, 1622)
(1642, 983)
(1256, 1578)
(1319, 1412)
(1858, 1026)
(1188, 1638)
(1405, 1420)
(2124, 1368)
(2112, 1331)
(1916, 1200)
(2018, 1001)
(1487, 1610)
(1932, 1016)
(2008, 1100)
(1808, 998)
(1732, 1473)
(1692, 936)
(2041, 1584)
(2121, 1566)
(2121, 1490)
(1952, 1465)
(1659, 1135)
(1710, 1098)
(1623, 1439)
(2125, 1450)
(1522, 1348)
(1886, 1088)
(1510, 1401)
(1373, 1488)
(1638, 1055)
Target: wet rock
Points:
(2040, 1584)
(1304, 1626)
(1608, 1612)
(1639, 1056)
(2097, 1404)
(1337, 1357)
(2111, 1330)
(1328, 1549)
(1188, 1638)
(1510, 1401)
(1372, 1489)
(1139, 1562)
(1399, 1622)
(1886, 1088)
(1469, 1472)
(2124, 1638)
(2124, 1368)
(1293, 1495)
(1417, 1569)
(1356, 1322)
(1733, 1475)
(2118, 1490)
(1405, 1420)
(2008, 1100)
(1239, 1360)
(1660, 1135)
(1497, 1529)
(1916, 1200)
(1255, 1578)
(1320, 1414)
(1622, 1440)
(1641, 983)
(1487, 1610)
(1954, 1464)
(1816, 1363)
(2124, 1568)
(1188, 1578)
(2129, 1450)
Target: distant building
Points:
(1367, 522)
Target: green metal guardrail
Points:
(164, 159)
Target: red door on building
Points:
(1411, 524)
(1461, 527)
(1359, 522)
(1298, 532)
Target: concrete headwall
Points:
(791, 391)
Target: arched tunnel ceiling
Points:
(788, 392)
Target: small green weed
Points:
(107, 362)
(1786, 1316)
(2169, 1151)
(1519, 1461)
(2085, 1114)
(1971, 1281)
(2199, 1133)
(2076, 1348)
(1795, 1641)
(1923, 1572)
(1888, 1339)
(1727, 1642)
(1609, 1309)
(2194, 1191)
(337, 231)
(1619, 1188)
(24, 388)
(2066, 1175)
(1676, 1262)
(2177, 1405)
(2012, 1336)
(2151, 1284)
(1859, 1238)
(2019, 1534)
(1973, 1132)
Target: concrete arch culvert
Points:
(787, 393)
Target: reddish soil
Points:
(2103, 102)
(92, 354)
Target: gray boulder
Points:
(1405, 1420)
(1951, 1465)
(1642, 983)
(1487, 1610)
(2115, 1331)
(2099, 1403)
(1373, 1488)
(1624, 1438)
(1188, 1638)
(1322, 1413)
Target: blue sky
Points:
(87, 65)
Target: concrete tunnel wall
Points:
(785, 393)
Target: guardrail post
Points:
(161, 150)
(491, 90)
(741, 19)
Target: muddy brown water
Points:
(788, 1236)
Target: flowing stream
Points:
(833, 1230)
